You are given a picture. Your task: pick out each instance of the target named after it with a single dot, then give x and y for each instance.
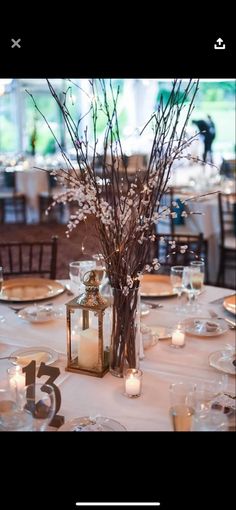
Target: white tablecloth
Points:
(32, 182)
(84, 395)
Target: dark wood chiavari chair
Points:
(169, 257)
(29, 258)
(227, 245)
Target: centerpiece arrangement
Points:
(125, 207)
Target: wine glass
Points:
(199, 277)
(188, 289)
(208, 391)
(74, 273)
(38, 399)
(85, 266)
(210, 420)
(2, 319)
(176, 277)
(196, 282)
(100, 267)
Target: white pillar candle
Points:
(178, 337)
(132, 385)
(88, 348)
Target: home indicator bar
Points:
(153, 504)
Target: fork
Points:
(215, 316)
(152, 305)
(9, 357)
(16, 310)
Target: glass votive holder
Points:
(16, 378)
(132, 382)
(178, 337)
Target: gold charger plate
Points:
(30, 289)
(156, 285)
(230, 304)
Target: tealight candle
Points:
(178, 337)
(133, 382)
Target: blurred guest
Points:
(208, 132)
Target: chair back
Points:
(13, 208)
(166, 223)
(29, 258)
(227, 215)
(169, 256)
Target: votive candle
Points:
(178, 337)
(133, 382)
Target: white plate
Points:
(39, 354)
(88, 424)
(198, 327)
(41, 313)
(223, 361)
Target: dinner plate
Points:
(223, 361)
(156, 285)
(30, 289)
(39, 354)
(41, 313)
(230, 304)
(88, 424)
(199, 327)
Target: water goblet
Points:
(195, 279)
(100, 267)
(74, 273)
(176, 277)
(188, 288)
(210, 420)
(208, 391)
(85, 266)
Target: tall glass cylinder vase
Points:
(125, 331)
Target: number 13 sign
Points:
(53, 373)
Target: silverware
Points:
(152, 305)
(9, 357)
(216, 316)
(68, 291)
(18, 309)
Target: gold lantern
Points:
(88, 329)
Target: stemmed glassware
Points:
(74, 274)
(196, 282)
(77, 270)
(176, 277)
(2, 319)
(199, 276)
